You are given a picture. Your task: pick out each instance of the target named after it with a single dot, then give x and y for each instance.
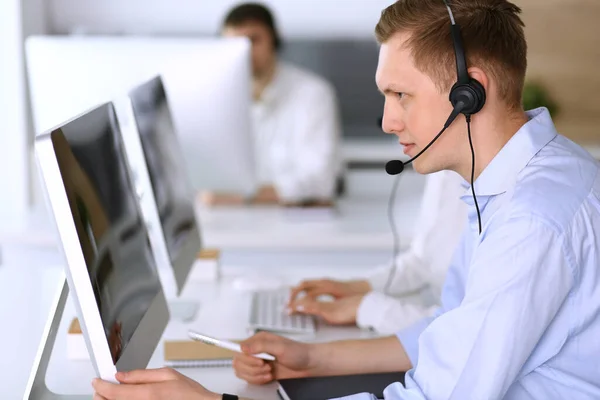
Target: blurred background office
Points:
(333, 38)
(210, 99)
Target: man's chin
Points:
(424, 168)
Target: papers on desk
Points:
(193, 354)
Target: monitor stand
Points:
(36, 385)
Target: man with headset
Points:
(520, 313)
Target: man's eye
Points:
(400, 95)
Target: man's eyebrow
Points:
(389, 89)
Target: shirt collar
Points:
(502, 171)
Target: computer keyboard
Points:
(268, 313)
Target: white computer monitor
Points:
(110, 267)
(166, 197)
(208, 81)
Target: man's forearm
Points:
(359, 356)
(360, 286)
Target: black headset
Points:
(466, 89)
(467, 95)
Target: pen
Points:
(225, 345)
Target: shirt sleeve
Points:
(388, 315)
(518, 279)
(315, 164)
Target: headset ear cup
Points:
(471, 94)
(463, 93)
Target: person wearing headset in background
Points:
(520, 313)
(296, 121)
(421, 269)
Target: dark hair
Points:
(254, 12)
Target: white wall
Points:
(17, 20)
(296, 18)
(35, 17)
(13, 132)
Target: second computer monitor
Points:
(166, 196)
(208, 81)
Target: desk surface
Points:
(360, 222)
(29, 279)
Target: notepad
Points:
(193, 354)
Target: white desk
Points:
(28, 281)
(361, 223)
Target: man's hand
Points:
(338, 312)
(293, 359)
(337, 289)
(299, 360)
(152, 384)
(266, 195)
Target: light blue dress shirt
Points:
(520, 315)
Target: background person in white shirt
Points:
(296, 123)
(421, 269)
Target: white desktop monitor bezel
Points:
(143, 342)
(174, 274)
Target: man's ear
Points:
(480, 76)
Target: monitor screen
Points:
(109, 225)
(165, 165)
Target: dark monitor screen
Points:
(164, 162)
(350, 65)
(109, 225)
